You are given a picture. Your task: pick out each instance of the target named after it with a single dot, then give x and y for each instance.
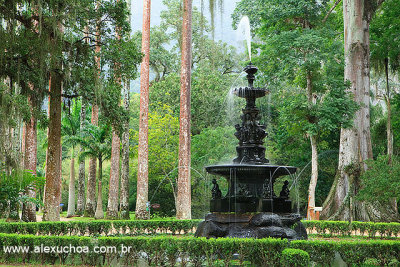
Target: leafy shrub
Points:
(342, 228)
(292, 257)
(102, 227)
(165, 250)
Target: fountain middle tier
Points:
(251, 188)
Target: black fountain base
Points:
(252, 225)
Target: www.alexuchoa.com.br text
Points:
(66, 249)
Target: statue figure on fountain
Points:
(285, 190)
(215, 191)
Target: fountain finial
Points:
(250, 70)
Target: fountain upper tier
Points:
(250, 132)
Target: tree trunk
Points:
(99, 207)
(124, 203)
(183, 209)
(30, 161)
(71, 188)
(389, 132)
(314, 154)
(314, 178)
(81, 179)
(113, 187)
(52, 191)
(91, 182)
(142, 211)
(355, 143)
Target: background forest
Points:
(297, 46)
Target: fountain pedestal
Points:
(251, 208)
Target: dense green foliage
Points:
(292, 257)
(384, 34)
(12, 188)
(381, 181)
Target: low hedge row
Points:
(142, 227)
(102, 227)
(342, 228)
(156, 251)
(169, 250)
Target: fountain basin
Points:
(250, 92)
(255, 172)
(250, 188)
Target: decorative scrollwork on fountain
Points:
(268, 190)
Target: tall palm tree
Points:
(183, 205)
(91, 182)
(143, 156)
(30, 157)
(124, 196)
(96, 140)
(80, 205)
(70, 126)
(113, 186)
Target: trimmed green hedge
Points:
(144, 227)
(168, 250)
(292, 257)
(102, 227)
(342, 228)
(352, 252)
(156, 251)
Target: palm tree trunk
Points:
(183, 209)
(30, 161)
(71, 191)
(113, 187)
(124, 203)
(91, 182)
(81, 176)
(99, 207)
(52, 193)
(124, 198)
(389, 115)
(143, 157)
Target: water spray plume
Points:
(244, 30)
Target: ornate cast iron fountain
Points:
(251, 208)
